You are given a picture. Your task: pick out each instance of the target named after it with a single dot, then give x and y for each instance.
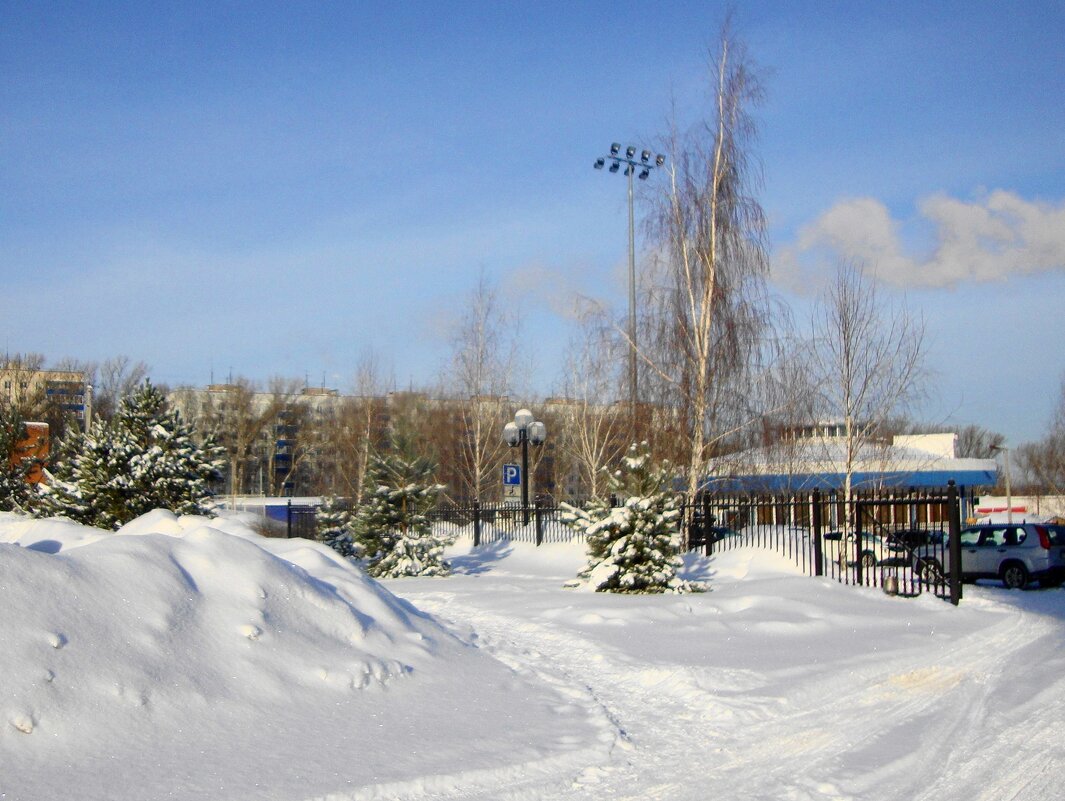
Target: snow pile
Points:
(181, 655)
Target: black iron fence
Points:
(899, 541)
(539, 522)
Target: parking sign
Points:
(511, 481)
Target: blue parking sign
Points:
(511, 475)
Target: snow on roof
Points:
(909, 461)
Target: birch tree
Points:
(866, 361)
(591, 426)
(484, 348)
(713, 311)
(357, 429)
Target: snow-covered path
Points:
(784, 686)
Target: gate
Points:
(905, 542)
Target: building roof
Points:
(821, 463)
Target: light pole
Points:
(645, 165)
(523, 430)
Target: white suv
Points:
(1015, 553)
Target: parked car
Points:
(1057, 554)
(913, 539)
(839, 547)
(1015, 553)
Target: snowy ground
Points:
(188, 658)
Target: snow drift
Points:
(185, 656)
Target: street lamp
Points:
(644, 164)
(523, 430)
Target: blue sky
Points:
(272, 189)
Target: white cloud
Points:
(988, 239)
(552, 287)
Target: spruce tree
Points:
(333, 527)
(144, 458)
(16, 493)
(392, 527)
(634, 547)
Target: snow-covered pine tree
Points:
(333, 527)
(633, 547)
(145, 458)
(16, 494)
(392, 526)
(76, 468)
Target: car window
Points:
(993, 537)
(1015, 536)
(1057, 534)
(971, 536)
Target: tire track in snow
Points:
(644, 761)
(817, 742)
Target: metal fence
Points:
(538, 523)
(899, 541)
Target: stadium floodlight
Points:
(645, 165)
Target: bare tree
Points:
(241, 417)
(357, 430)
(866, 362)
(483, 354)
(713, 312)
(21, 390)
(116, 379)
(977, 442)
(1044, 461)
(591, 424)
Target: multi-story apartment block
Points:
(37, 391)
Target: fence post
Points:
(857, 542)
(819, 568)
(708, 546)
(476, 523)
(954, 524)
(537, 504)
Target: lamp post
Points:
(645, 165)
(523, 430)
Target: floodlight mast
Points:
(616, 159)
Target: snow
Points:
(186, 657)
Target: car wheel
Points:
(1014, 576)
(868, 561)
(929, 571)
